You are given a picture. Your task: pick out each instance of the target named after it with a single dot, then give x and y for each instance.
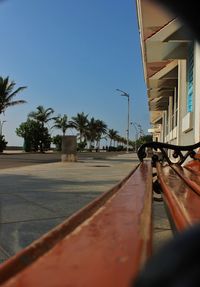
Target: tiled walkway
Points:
(34, 199)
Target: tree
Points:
(41, 115)
(36, 137)
(101, 129)
(3, 143)
(112, 134)
(7, 93)
(57, 141)
(61, 123)
(80, 123)
(144, 139)
(91, 132)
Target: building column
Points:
(196, 92)
(182, 98)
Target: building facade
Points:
(171, 63)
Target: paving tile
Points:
(15, 236)
(160, 238)
(61, 203)
(161, 226)
(14, 209)
(3, 255)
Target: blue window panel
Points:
(190, 79)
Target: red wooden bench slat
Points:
(183, 203)
(189, 176)
(108, 249)
(194, 166)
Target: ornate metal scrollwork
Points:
(178, 152)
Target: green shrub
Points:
(81, 146)
(57, 141)
(3, 143)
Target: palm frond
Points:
(20, 89)
(7, 94)
(13, 103)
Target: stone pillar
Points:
(69, 149)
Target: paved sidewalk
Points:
(161, 229)
(34, 199)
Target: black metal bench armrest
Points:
(163, 148)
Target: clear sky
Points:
(73, 55)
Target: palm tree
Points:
(7, 93)
(80, 123)
(112, 134)
(101, 129)
(91, 132)
(119, 140)
(61, 123)
(42, 115)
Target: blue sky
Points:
(73, 55)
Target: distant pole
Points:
(128, 124)
(124, 94)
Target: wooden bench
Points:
(177, 262)
(107, 242)
(104, 244)
(178, 183)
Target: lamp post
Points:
(124, 94)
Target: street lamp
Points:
(124, 94)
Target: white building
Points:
(171, 61)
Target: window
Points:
(190, 65)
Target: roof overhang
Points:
(161, 86)
(164, 41)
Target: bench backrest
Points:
(179, 182)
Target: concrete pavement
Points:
(34, 199)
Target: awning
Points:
(164, 41)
